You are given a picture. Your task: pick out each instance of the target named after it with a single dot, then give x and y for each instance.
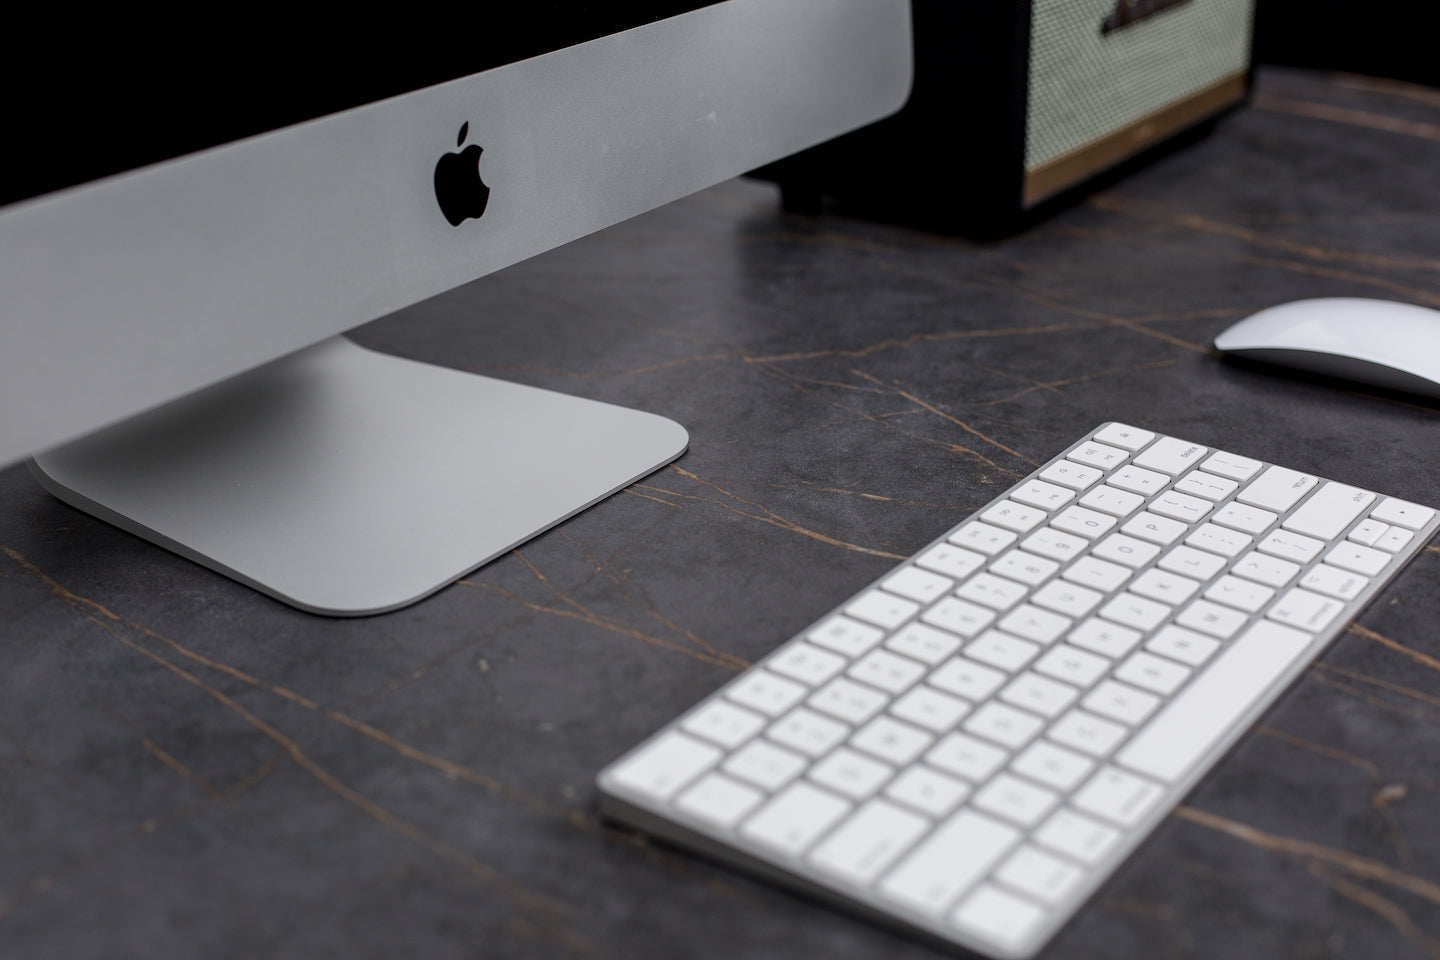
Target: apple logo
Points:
(458, 187)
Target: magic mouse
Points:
(1380, 342)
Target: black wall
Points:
(1382, 38)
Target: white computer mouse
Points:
(1380, 342)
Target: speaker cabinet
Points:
(1020, 104)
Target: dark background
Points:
(1395, 39)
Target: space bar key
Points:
(1192, 723)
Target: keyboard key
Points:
(1232, 466)
(1334, 582)
(1133, 611)
(1164, 586)
(928, 791)
(1102, 637)
(1068, 473)
(660, 768)
(850, 774)
(868, 842)
(998, 916)
(765, 765)
(1359, 559)
(1271, 571)
(1291, 546)
(1087, 732)
(917, 584)
(965, 756)
(888, 671)
(1181, 506)
(983, 538)
(1120, 702)
(1003, 651)
(849, 701)
(1139, 480)
(1212, 618)
(1241, 594)
(892, 741)
(1046, 878)
(1118, 796)
(968, 679)
(1039, 695)
(1032, 623)
(723, 723)
(1067, 598)
(1394, 540)
(1024, 567)
(1306, 610)
(1087, 523)
(1015, 800)
(1149, 672)
(928, 644)
(1100, 574)
(1217, 539)
(1126, 550)
(1171, 456)
(1077, 836)
(1052, 543)
(927, 707)
(1249, 519)
(1191, 723)
(949, 862)
(1099, 455)
(808, 732)
(1072, 665)
(1014, 516)
(958, 616)
(1367, 532)
(795, 819)
(1003, 724)
(1329, 510)
(1112, 500)
(951, 560)
(882, 609)
(1155, 528)
(846, 636)
(719, 799)
(1038, 493)
(764, 691)
(1053, 766)
(808, 664)
(1277, 489)
(1124, 435)
(1409, 515)
(1201, 484)
(1183, 645)
(992, 591)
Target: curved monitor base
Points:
(348, 482)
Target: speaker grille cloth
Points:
(1084, 85)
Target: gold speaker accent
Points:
(1055, 175)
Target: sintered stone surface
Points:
(189, 769)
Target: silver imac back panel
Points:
(299, 466)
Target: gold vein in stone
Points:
(1352, 863)
(1350, 115)
(765, 514)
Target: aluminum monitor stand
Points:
(348, 482)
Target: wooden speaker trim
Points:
(1070, 168)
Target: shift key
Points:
(1184, 731)
(1329, 511)
(1277, 489)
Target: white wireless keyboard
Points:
(972, 744)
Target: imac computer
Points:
(185, 239)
